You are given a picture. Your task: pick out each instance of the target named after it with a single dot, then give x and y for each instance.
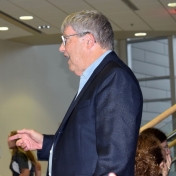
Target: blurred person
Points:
(104, 118)
(149, 160)
(23, 163)
(161, 136)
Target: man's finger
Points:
(17, 136)
(22, 131)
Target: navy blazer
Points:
(99, 132)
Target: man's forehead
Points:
(68, 29)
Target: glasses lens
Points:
(63, 40)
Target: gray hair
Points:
(94, 22)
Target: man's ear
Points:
(90, 40)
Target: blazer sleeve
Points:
(44, 153)
(118, 117)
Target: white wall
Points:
(36, 88)
(150, 59)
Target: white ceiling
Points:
(153, 17)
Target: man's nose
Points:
(62, 48)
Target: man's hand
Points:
(112, 174)
(28, 139)
(11, 144)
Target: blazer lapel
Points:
(75, 101)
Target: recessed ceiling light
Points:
(173, 4)
(44, 27)
(140, 34)
(26, 17)
(4, 28)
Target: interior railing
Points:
(159, 118)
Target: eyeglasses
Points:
(64, 38)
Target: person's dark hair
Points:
(148, 156)
(156, 133)
(93, 22)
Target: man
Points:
(99, 132)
